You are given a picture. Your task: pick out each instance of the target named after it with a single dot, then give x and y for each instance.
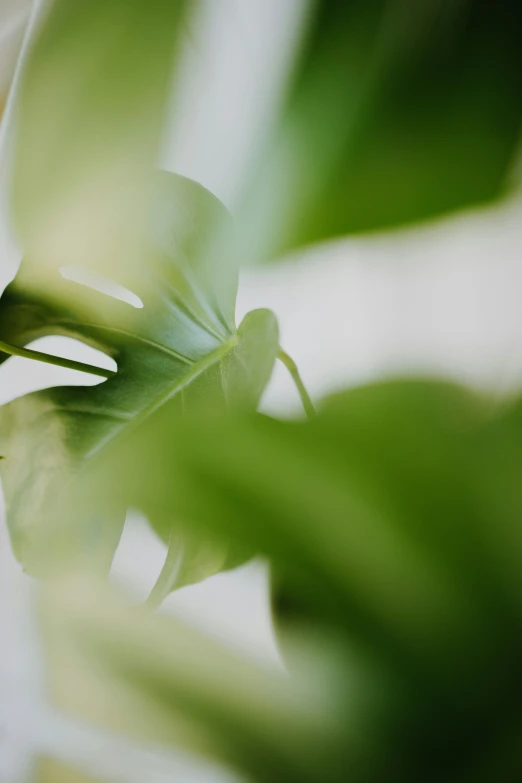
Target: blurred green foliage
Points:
(397, 111)
(390, 521)
(89, 120)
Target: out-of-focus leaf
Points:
(89, 122)
(397, 112)
(51, 771)
(153, 679)
(181, 344)
(392, 523)
(392, 519)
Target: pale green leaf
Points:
(89, 121)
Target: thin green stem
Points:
(166, 581)
(291, 366)
(27, 353)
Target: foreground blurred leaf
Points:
(397, 112)
(392, 523)
(89, 122)
(153, 679)
(182, 344)
(393, 519)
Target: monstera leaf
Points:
(396, 112)
(180, 347)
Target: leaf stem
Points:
(166, 581)
(27, 353)
(291, 366)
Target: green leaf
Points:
(390, 486)
(182, 347)
(396, 112)
(89, 123)
(392, 523)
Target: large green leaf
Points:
(392, 523)
(393, 513)
(89, 122)
(182, 346)
(396, 112)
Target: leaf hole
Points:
(102, 284)
(21, 376)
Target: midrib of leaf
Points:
(196, 370)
